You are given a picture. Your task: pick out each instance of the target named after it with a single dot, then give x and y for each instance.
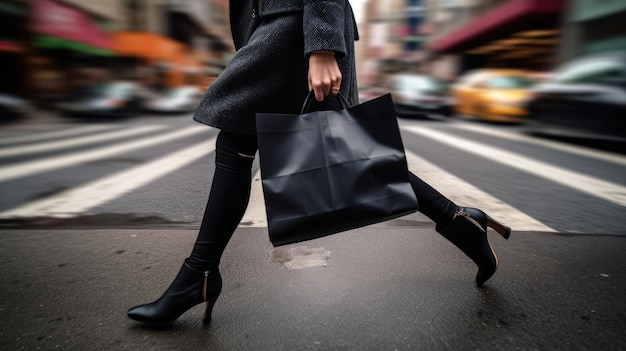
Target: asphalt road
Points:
(394, 286)
(98, 217)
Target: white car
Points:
(420, 95)
(111, 99)
(179, 99)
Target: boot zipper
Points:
(206, 282)
(469, 218)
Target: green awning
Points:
(58, 43)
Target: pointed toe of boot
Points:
(138, 313)
(146, 314)
(190, 288)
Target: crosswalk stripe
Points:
(606, 190)
(577, 150)
(53, 134)
(255, 215)
(77, 201)
(80, 199)
(67, 143)
(465, 194)
(456, 189)
(28, 168)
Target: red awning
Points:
(59, 20)
(512, 16)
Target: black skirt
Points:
(269, 74)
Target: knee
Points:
(233, 161)
(234, 153)
(241, 154)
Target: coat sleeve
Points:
(324, 26)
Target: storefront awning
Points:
(512, 16)
(53, 19)
(50, 42)
(148, 46)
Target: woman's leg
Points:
(199, 279)
(228, 198)
(432, 203)
(464, 227)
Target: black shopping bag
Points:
(325, 172)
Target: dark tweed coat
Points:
(268, 73)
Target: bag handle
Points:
(311, 95)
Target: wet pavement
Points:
(384, 287)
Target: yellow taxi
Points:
(496, 95)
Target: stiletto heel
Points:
(468, 232)
(210, 300)
(190, 288)
(209, 310)
(499, 227)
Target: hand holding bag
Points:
(325, 172)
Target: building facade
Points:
(13, 51)
(393, 34)
(593, 27)
(520, 34)
(535, 35)
(178, 39)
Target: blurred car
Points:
(496, 95)
(419, 95)
(13, 108)
(111, 99)
(175, 100)
(585, 98)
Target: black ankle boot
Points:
(468, 231)
(189, 288)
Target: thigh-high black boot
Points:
(465, 227)
(199, 279)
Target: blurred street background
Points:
(549, 65)
(517, 107)
(91, 88)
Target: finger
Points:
(321, 89)
(319, 93)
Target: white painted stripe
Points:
(53, 134)
(572, 149)
(29, 168)
(456, 189)
(255, 215)
(85, 140)
(606, 190)
(467, 195)
(78, 200)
